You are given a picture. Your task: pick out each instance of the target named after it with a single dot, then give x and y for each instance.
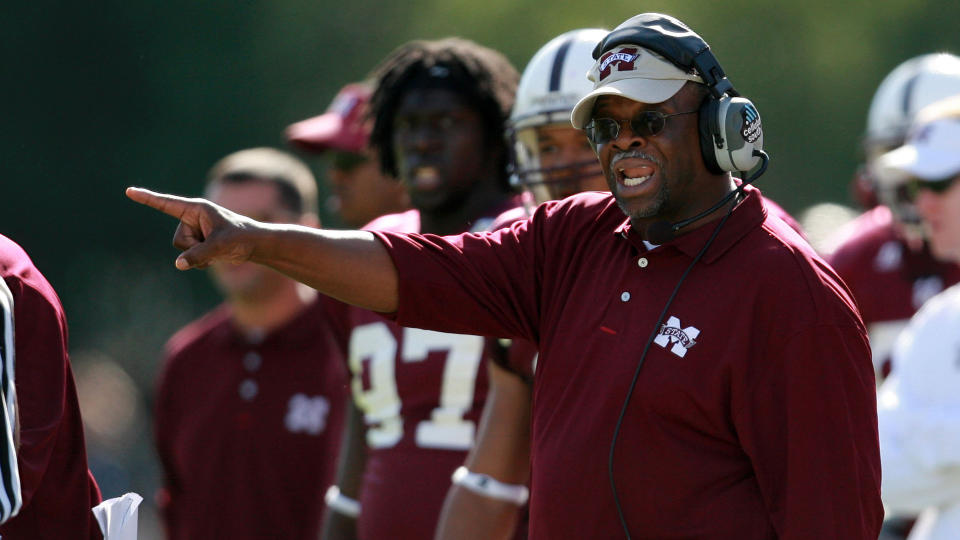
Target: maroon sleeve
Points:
(493, 279)
(816, 459)
(55, 480)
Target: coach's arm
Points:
(351, 266)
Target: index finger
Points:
(171, 205)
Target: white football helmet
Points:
(911, 86)
(553, 82)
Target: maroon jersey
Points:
(754, 415)
(248, 432)
(421, 393)
(889, 280)
(57, 488)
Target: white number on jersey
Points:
(446, 427)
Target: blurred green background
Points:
(102, 95)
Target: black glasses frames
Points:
(646, 124)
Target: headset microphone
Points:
(661, 232)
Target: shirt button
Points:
(625, 296)
(642, 262)
(252, 361)
(248, 389)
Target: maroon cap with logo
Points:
(341, 128)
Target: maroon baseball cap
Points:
(341, 128)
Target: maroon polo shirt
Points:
(248, 432)
(754, 414)
(58, 489)
(889, 280)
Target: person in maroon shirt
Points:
(57, 488)
(250, 399)
(551, 160)
(754, 413)
(882, 255)
(361, 192)
(439, 109)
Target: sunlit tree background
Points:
(104, 94)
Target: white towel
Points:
(118, 517)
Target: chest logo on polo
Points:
(673, 335)
(307, 414)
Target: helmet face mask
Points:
(552, 84)
(552, 172)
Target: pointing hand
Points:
(206, 233)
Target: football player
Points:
(882, 255)
(439, 111)
(552, 159)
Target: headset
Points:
(731, 134)
(731, 139)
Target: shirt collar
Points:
(292, 334)
(748, 215)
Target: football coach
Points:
(702, 372)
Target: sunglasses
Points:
(915, 185)
(346, 161)
(646, 124)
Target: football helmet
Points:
(911, 86)
(552, 83)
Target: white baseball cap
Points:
(632, 72)
(931, 153)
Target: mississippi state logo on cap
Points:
(623, 59)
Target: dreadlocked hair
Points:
(482, 77)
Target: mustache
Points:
(633, 154)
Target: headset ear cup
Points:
(708, 117)
(743, 134)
